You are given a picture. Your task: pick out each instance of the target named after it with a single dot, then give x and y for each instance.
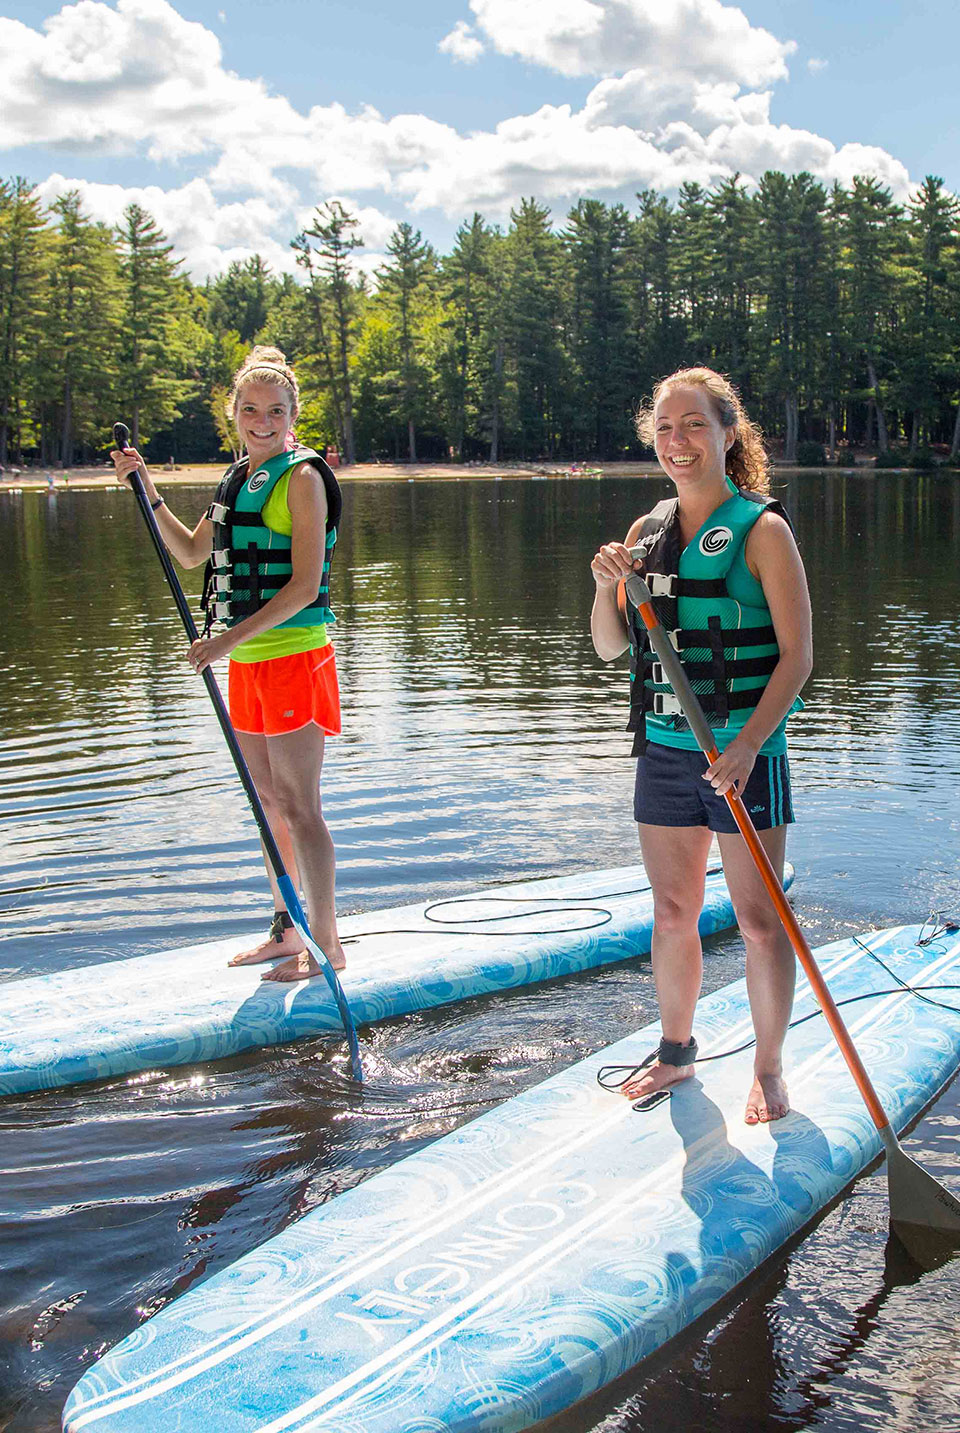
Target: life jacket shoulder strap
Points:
(656, 522)
(769, 504)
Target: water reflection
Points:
(483, 742)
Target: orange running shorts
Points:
(286, 694)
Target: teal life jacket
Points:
(250, 562)
(728, 647)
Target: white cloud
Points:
(462, 44)
(647, 100)
(552, 153)
(209, 234)
(581, 37)
(683, 92)
(815, 66)
(112, 80)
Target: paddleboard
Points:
(517, 1265)
(177, 1007)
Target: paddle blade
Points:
(924, 1215)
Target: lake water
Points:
(483, 742)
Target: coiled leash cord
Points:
(614, 1077)
(444, 922)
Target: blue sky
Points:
(230, 120)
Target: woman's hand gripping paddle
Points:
(121, 435)
(923, 1213)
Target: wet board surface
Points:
(181, 1006)
(517, 1265)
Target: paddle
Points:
(920, 1207)
(295, 910)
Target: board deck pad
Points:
(525, 1260)
(178, 1007)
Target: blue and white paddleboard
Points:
(519, 1264)
(176, 1007)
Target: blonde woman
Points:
(729, 585)
(268, 539)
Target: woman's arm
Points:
(772, 556)
(612, 564)
(190, 548)
(307, 500)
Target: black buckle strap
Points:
(718, 672)
(253, 561)
(672, 1052)
(732, 637)
(703, 671)
(281, 922)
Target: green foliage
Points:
(836, 313)
(79, 353)
(240, 299)
(155, 335)
(335, 289)
(893, 458)
(922, 458)
(25, 259)
(811, 454)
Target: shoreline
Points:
(209, 474)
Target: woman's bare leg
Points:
(296, 760)
(257, 757)
(675, 858)
(771, 968)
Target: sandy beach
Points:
(209, 473)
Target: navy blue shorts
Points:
(671, 791)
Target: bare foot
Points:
(303, 966)
(270, 949)
(657, 1077)
(768, 1100)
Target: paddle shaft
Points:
(292, 900)
(666, 652)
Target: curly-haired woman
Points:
(729, 586)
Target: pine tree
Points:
(79, 353)
(926, 350)
(24, 261)
(241, 298)
(658, 315)
(692, 264)
(599, 244)
(730, 277)
(404, 283)
(153, 300)
(535, 302)
(872, 248)
(333, 228)
(468, 284)
(792, 293)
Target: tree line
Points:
(833, 309)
